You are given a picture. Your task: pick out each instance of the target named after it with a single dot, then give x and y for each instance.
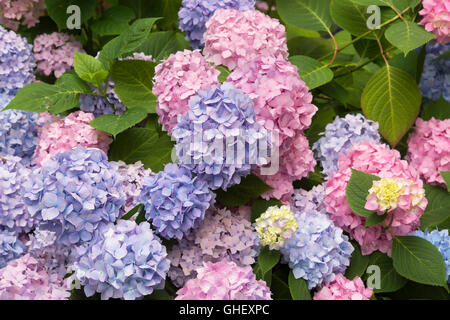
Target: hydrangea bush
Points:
(224, 150)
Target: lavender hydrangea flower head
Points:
(16, 62)
(21, 12)
(129, 263)
(441, 240)
(27, 278)
(221, 119)
(194, 14)
(435, 81)
(175, 202)
(312, 200)
(74, 194)
(100, 106)
(318, 250)
(11, 247)
(13, 212)
(221, 235)
(341, 135)
(18, 134)
(133, 175)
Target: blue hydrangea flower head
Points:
(18, 132)
(175, 202)
(14, 215)
(16, 62)
(128, 263)
(318, 250)
(312, 200)
(441, 240)
(100, 105)
(219, 139)
(435, 81)
(74, 194)
(11, 247)
(194, 14)
(340, 136)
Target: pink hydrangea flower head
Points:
(429, 149)
(436, 18)
(396, 193)
(379, 160)
(283, 102)
(343, 289)
(67, 133)
(224, 280)
(234, 36)
(25, 12)
(54, 53)
(296, 161)
(221, 235)
(176, 80)
(133, 180)
(27, 278)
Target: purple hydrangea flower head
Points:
(129, 263)
(312, 200)
(74, 194)
(194, 14)
(221, 119)
(133, 175)
(11, 247)
(100, 106)
(318, 250)
(221, 235)
(16, 62)
(13, 212)
(340, 136)
(18, 134)
(435, 81)
(27, 278)
(175, 202)
(441, 240)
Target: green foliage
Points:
(407, 36)
(306, 14)
(250, 188)
(313, 72)
(115, 124)
(161, 44)
(392, 98)
(419, 260)
(260, 206)
(390, 280)
(298, 288)
(89, 69)
(439, 109)
(113, 21)
(358, 190)
(134, 82)
(57, 10)
(358, 263)
(438, 208)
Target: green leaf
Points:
(393, 99)
(261, 205)
(351, 17)
(114, 21)
(162, 44)
(128, 41)
(323, 116)
(446, 176)
(374, 219)
(115, 124)
(224, 73)
(407, 36)
(89, 69)
(60, 97)
(279, 287)
(132, 212)
(358, 190)
(134, 82)
(390, 280)
(419, 260)
(438, 208)
(159, 295)
(406, 63)
(298, 288)
(358, 263)
(313, 72)
(142, 144)
(398, 4)
(57, 10)
(439, 109)
(306, 14)
(268, 259)
(250, 188)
